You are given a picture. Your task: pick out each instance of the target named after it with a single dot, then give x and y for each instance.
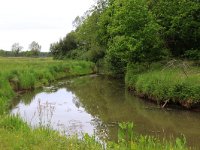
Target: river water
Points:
(95, 104)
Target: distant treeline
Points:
(119, 32)
(4, 53)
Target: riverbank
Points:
(177, 84)
(26, 74)
(15, 134)
(21, 74)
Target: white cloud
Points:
(44, 21)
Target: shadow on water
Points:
(98, 103)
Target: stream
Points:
(95, 104)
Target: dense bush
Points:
(180, 22)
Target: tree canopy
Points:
(16, 48)
(35, 48)
(133, 31)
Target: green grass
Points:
(15, 134)
(175, 84)
(18, 74)
(28, 73)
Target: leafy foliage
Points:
(64, 46)
(120, 32)
(16, 48)
(35, 48)
(128, 140)
(181, 24)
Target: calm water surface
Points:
(96, 104)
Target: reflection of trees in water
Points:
(168, 123)
(153, 119)
(101, 129)
(76, 101)
(108, 101)
(98, 95)
(28, 96)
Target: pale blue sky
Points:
(44, 21)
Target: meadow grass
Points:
(18, 74)
(166, 84)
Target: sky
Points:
(43, 21)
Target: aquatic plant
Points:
(129, 140)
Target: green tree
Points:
(62, 48)
(16, 48)
(87, 35)
(180, 20)
(54, 50)
(35, 48)
(134, 35)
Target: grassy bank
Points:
(15, 134)
(19, 74)
(166, 84)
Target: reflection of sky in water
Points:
(61, 110)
